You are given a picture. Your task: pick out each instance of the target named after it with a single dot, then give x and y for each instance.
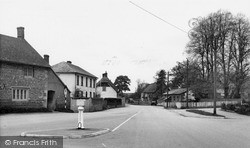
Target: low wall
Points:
(206, 104)
(91, 105)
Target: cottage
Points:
(108, 91)
(178, 95)
(80, 82)
(149, 93)
(105, 88)
(25, 77)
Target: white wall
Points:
(69, 80)
(109, 93)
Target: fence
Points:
(206, 104)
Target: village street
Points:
(139, 126)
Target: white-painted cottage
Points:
(105, 88)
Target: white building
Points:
(80, 82)
(105, 88)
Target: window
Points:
(86, 94)
(90, 94)
(19, 94)
(86, 82)
(104, 88)
(81, 80)
(29, 71)
(93, 94)
(93, 83)
(77, 80)
(90, 84)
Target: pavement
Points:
(222, 114)
(67, 133)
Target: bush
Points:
(223, 106)
(238, 108)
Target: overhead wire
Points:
(159, 17)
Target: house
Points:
(80, 82)
(149, 93)
(178, 95)
(106, 90)
(26, 78)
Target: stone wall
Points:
(59, 97)
(12, 76)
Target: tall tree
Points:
(141, 85)
(194, 78)
(226, 37)
(160, 83)
(122, 83)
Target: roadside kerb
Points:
(71, 136)
(184, 113)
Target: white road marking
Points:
(124, 122)
(104, 145)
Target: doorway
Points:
(50, 100)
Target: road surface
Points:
(139, 127)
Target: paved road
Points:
(140, 126)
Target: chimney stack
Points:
(69, 62)
(46, 58)
(20, 32)
(105, 75)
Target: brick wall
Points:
(12, 75)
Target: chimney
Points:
(105, 74)
(69, 62)
(20, 32)
(46, 58)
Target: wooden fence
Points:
(206, 104)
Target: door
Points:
(50, 100)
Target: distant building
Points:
(105, 88)
(149, 93)
(108, 91)
(26, 79)
(178, 95)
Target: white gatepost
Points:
(80, 103)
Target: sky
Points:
(111, 35)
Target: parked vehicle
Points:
(154, 102)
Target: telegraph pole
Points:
(167, 87)
(215, 78)
(187, 85)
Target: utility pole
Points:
(167, 88)
(187, 85)
(215, 78)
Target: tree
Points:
(122, 83)
(220, 43)
(160, 83)
(141, 85)
(194, 80)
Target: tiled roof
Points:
(151, 88)
(177, 91)
(17, 50)
(106, 80)
(65, 67)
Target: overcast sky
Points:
(111, 35)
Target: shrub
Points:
(223, 106)
(238, 108)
